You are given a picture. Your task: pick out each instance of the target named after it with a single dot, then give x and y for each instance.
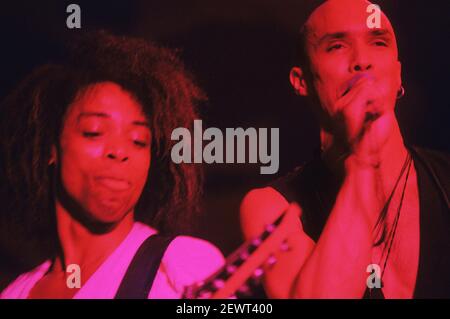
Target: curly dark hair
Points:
(32, 118)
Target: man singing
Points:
(375, 217)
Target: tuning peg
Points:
(244, 290)
(256, 241)
(244, 255)
(270, 228)
(258, 273)
(285, 246)
(256, 277)
(218, 283)
(205, 295)
(231, 269)
(272, 260)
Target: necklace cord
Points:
(397, 217)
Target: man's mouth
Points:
(113, 183)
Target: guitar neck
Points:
(246, 261)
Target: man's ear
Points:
(53, 156)
(298, 82)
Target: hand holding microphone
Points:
(358, 109)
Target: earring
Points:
(401, 93)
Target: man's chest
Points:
(399, 259)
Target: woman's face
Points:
(104, 154)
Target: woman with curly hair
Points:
(89, 177)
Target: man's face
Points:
(345, 52)
(104, 153)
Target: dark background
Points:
(241, 53)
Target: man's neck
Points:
(81, 246)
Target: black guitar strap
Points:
(141, 272)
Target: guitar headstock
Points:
(248, 260)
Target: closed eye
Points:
(335, 47)
(91, 134)
(381, 43)
(140, 144)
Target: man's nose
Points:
(361, 60)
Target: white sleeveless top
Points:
(186, 261)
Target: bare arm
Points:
(337, 266)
